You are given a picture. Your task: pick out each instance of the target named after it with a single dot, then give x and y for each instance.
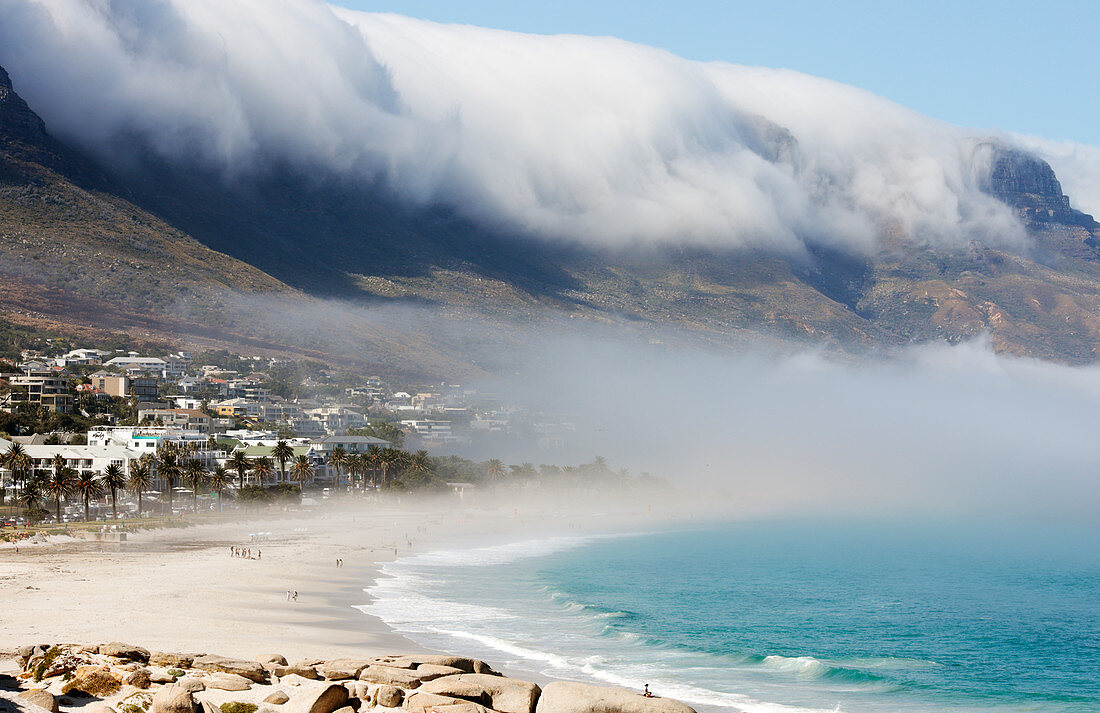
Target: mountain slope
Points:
(183, 245)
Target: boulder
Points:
(41, 698)
(388, 696)
(295, 670)
(421, 702)
(466, 665)
(139, 679)
(403, 677)
(269, 659)
(506, 695)
(318, 699)
(228, 682)
(159, 675)
(124, 651)
(566, 697)
(174, 698)
(172, 660)
(194, 684)
(428, 671)
(277, 697)
(340, 669)
(249, 669)
(92, 682)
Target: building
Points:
(139, 363)
(350, 444)
(81, 357)
(45, 388)
(143, 388)
(431, 431)
(83, 459)
(185, 419)
(337, 419)
(143, 439)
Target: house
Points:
(337, 419)
(350, 444)
(144, 439)
(192, 420)
(81, 357)
(45, 388)
(431, 431)
(139, 363)
(83, 459)
(145, 389)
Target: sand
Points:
(181, 590)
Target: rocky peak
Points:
(17, 121)
(1028, 184)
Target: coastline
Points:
(181, 589)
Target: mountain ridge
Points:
(294, 235)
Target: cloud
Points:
(588, 139)
(936, 429)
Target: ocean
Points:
(767, 617)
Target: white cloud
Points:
(589, 139)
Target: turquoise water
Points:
(780, 617)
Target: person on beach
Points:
(259, 554)
(288, 595)
(295, 595)
(646, 692)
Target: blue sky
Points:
(1030, 67)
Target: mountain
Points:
(172, 248)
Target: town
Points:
(89, 434)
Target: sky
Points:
(1019, 66)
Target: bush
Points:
(238, 707)
(175, 672)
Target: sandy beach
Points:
(182, 590)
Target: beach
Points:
(181, 589)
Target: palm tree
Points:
(494, 469)
(282, 452)
(140, 480)
(356, 466)
(240, 463)
(89, 486)
(390, 458)
(17, 461)
(338, 460)
(373, 458)
(169, 469)
(218, 480)
(30, 496)
(61, 482)
(262, 468)
(194, 472)
(420, 462)
(114, 479)
(302, 471)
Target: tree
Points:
(390, 458)
(338, 460)
(356, 466)
(262, 469)
(494, 469)
(140, 480)
(29, 497)
(302, 470)
(240, 463)
(218, 480)
(89, 486)
(17, 461)
(194, 472)
(115, 480)
(373, 458)
(61, 482)
(169, 469)
(282, 452)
